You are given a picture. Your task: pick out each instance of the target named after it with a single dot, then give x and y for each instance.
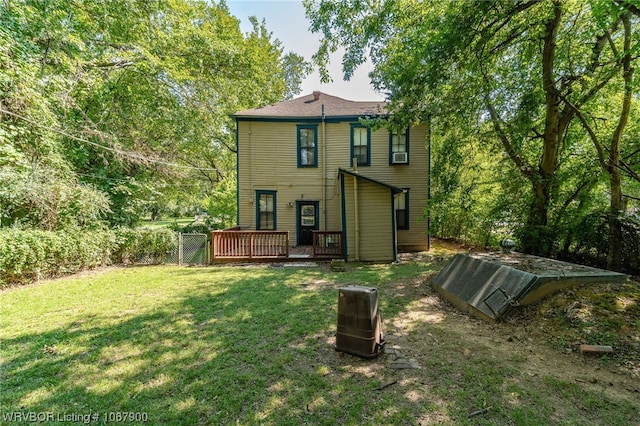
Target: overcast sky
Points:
(286, 20)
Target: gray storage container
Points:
(359, 325)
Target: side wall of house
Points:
(268, 161)
(375, 225)
(412, 176)
(338, 152)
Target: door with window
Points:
(307, 219)
(266, 210)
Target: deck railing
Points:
(327, 243)
(232, 244)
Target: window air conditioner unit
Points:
(400, 158)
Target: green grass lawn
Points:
(184, 345)
(228, 345)
(181, 221)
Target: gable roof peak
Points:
(311, 106)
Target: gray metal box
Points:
(359, 325)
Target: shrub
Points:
(147, 245)
(195, 228)
(589, 242)
(42, 197)
(125, 241)
(29, 255)
(536, 240)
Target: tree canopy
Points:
(110, 110)
(537, 94)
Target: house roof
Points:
(310, 106)
(357, 175)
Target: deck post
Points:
(287, 244)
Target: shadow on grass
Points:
(253, 347)
(221, 351)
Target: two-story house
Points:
(309, 164)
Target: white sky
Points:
(286, 20)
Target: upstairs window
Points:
(266, 210)
(399, 147)
(361, 144)
(307, 146)
(401, 208)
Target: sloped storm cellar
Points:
(490, 285)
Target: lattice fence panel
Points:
(194, 249)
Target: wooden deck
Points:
(327, 244)
(235, 245)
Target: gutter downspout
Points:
(324, 171)
(355, 211)
(237, 174)
(429, 182)
(250, 183)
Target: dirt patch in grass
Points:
(547, 335)
(534, 352)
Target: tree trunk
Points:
(614, 252)
(614, 249)
(537, 239)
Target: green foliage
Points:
(152, 245)
(31, 255)
(543, 237)
(502, 83)
(221, 204)
(130, 100)
(39, 197)
(587, 242)
(28, 255)
(197, 228)
(469, 201)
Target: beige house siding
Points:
(267, 160)
(412, 176)
(374, 220)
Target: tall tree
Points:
(133, 97)
(609, 155)
(37, 184)
(524, 67)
